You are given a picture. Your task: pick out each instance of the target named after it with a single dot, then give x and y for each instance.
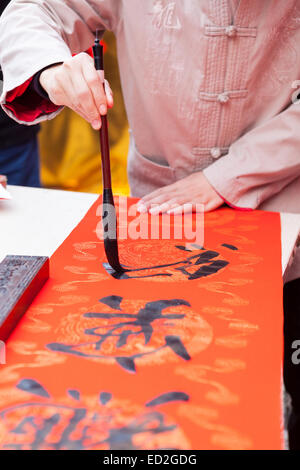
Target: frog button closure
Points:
(231, 31)
(216, 152)
(223, 98)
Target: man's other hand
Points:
(187, 192)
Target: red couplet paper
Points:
(184, 352)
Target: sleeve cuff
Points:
(36, 86)
(228, 188)
(27, 105)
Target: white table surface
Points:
(37, 221)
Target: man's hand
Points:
(194, 189)
(78, 85)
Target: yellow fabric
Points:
(70, 155)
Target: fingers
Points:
(157, 197)
(97, 105)
(83, 99)
(186, 208)
(191, 194)
(170, 207)
(159, 205)
(159, 201)
(100, 88)
(213, 204)
(154, 204)
(78, 85)
(109, 94)
(158, 193)
(163, 208)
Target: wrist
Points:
(39, 84)
(45, 73)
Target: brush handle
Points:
(109, 215)
(109, 218)
(105, 157)
(104, 140)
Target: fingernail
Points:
(103, 109)
(155, 210)
(177, 211)
(141, 208)
(96, 124)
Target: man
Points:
(19, 156)
(209, 88)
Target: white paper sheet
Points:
(4, 194)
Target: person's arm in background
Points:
(37, 33)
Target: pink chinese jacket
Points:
(209, 85)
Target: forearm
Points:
(31, 37)
(261, 163)
(37, 33)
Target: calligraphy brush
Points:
(109, 216)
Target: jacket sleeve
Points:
(38, 33)
(261, 163)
